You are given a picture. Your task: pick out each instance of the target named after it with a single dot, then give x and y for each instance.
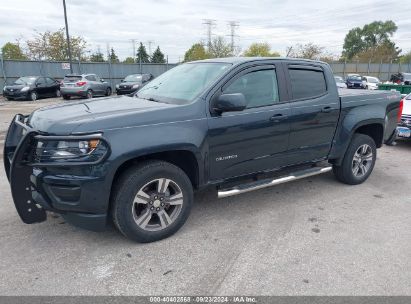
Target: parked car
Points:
(404, 123)
(340, 82)
(32, 88)
(354, 82)
(401, 78)
(237, 124)
(84, 85)
(132, 83)
(370, 82)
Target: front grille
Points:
(406, 120)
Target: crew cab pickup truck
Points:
(236, 124)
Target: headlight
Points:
(136, 86)
(87, 150)
(24, 89)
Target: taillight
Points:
(80, 83)
(400, 110)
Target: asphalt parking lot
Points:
(310, 237)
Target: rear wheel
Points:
(108, 91)
(66, 97)
(152, 201)
(358, 162)
(89, 94)
(58, 93)
(33, 96)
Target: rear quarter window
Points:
(306, 83)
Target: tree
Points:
(219, 48)
(142, 55)
(129, 60)
(158, 56)
(196, 52)
(406, 58)
(260, 50)
(369, 38)
(381, 53)
(113, 56)
(53, 46)
(12, 51)
(97, 57)
(307, 51)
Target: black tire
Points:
(58, 93)
(108, 91)
(66, 97)
(33, 96)
(89, 94)
(344, 173)
(9, 99)
(134, 180)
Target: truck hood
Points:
(97, 115)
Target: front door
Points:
(255, 139)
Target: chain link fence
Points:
(10, 70)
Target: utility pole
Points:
(67, 36)
(210, 24)
(133, 41)
(233, 25)
(109, 65)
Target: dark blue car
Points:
(354, 82)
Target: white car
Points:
(340, 82)
(404, 125)
(370, 83)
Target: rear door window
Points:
(91, 77)
(307, 83)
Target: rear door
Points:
(315, 109)
(255, 139)
(41, 86)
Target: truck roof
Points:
(239, 60)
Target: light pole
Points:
(67, 36)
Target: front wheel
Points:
(358, 162)
(33, 96)
(66, 97)
(108, 91)
(151, 201)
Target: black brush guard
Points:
(19, 142)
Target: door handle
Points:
(278, 117)
(326, 109)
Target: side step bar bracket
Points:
(272, 182)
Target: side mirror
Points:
(230, 103)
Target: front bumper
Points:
(16, 95)
(74, 190)
(404, 127)
(125, 91)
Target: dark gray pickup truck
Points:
(237, 124)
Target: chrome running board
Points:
(272, 182)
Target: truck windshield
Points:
(182, 84)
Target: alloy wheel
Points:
(362, 160)
(157, 204)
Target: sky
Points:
(175, 25)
